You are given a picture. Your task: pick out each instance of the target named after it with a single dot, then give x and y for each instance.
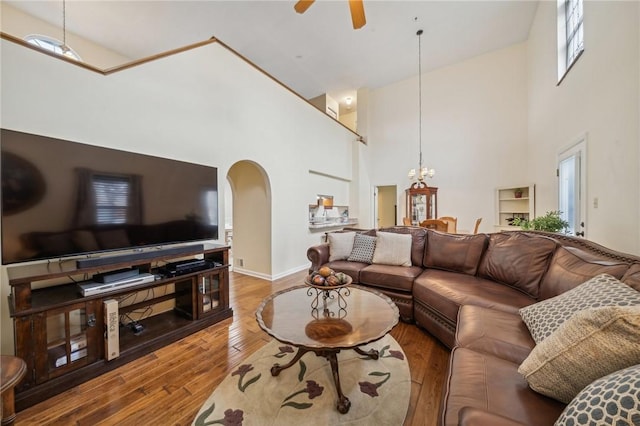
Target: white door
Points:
(572, 187)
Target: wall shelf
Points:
(509, 206)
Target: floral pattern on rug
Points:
(250, 395)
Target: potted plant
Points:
(550, 222)
(518, 193)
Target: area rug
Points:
(305, 394)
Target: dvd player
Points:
(89, 288)
(185, 266)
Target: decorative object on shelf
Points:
(422, 172)
(517, 193)
(550, 222)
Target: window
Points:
(570, 35)
(112, 199)
(52, 45)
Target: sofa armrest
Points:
(471, 416)
(318, 255)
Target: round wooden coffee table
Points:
(326, 322)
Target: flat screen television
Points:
(63, 198)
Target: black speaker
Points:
(93, 262)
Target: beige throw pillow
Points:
(340, 245)
(591, 344)
(393, 249)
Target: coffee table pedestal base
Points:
(343, 405)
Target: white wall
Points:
(473, 133)
(205, 106)
(600, 97)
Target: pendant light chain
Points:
(64, 23)
(420, 97)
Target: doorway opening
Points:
(386, 206)
(250, 224)
(572, 187)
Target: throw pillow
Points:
(544, 317)
(589, 345)
(340, 245)
(611, 400)
(392, 249)
(363, 248)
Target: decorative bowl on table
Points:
(327, 279)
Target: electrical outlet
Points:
(240, 262)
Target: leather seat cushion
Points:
(500, 334)
(446, 291)
(492, 384)
(397, 278)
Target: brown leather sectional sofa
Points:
(466, 291)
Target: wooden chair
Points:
(452, 223)
(406, 221)
(436, 224)
(477, 225)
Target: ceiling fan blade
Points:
(302, 5)
(357, 14)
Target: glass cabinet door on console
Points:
(422, 203)
(210, 291)
(64, 339)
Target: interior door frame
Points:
(376, 204)
(577, 147)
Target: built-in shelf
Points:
(511, 204)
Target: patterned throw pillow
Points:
(363, 248)
(543, 318)
(340, 245)
(591, 344)
(392, 249)
(610, 400)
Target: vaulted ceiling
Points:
(313, 53)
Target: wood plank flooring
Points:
(168, 386)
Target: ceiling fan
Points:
(356, 6)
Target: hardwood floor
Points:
(168, 386)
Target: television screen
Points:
(62, 198)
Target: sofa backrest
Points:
(518, 260)
(418, 240)
(454, 252)
(632, 276)
(571, 266)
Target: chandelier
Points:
(423, 172)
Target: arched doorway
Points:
(251, 210)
